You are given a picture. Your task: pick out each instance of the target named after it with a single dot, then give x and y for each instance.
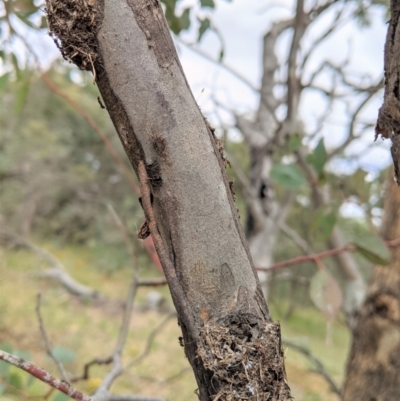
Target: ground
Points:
(81, 331)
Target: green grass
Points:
(89, 330)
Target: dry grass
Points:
(91, 331)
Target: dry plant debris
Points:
(245, 359)
(73, 27)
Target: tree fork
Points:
(230, 339)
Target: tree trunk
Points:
(230, 339)
(374, 362)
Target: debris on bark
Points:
(245, 358)
(73, 27)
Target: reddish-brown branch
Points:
(44, 376)
(322, 255)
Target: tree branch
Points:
(44, 376)
(47, 341)
(320, 369)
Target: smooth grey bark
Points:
(230, 339)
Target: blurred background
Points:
(293, 90)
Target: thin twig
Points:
(151, 282)
(44, 376)
(322, 255)
(46, 340)
(320, 369)
(117, 368)
(86, 369)
(150, 340)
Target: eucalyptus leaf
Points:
(288, 175)
(65, 355)
(207, 3)
(372, 248)
(371, 256)
(204, 26)
(185, 19)
(319, 157)
(294, 142)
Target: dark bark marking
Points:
(160, 145)
(144, 230)
(154, 174)
(156, 31)
(395, 152)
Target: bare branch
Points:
(44, 376)
(150, 340)
(296, 238)
(151, 282)
(86, 369)
(117, 368)
(320, 369)
(224, 66)
(322, 255)
(58, 271)
(351, 135)
(47, 341)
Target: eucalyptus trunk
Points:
(232, 343)
(374, 362)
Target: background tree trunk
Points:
(374, 362)
(230, 339)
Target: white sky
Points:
(242, 24)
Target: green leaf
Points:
(15, 379)
(318, 158)
(371, 256)
(61, 397)
(294, 142)
(326, 294)
(185, 19)
(372, 248)
(288, 175)
(63, 354)
(324, 221)
(43, 23)
(207, 3)
(204, 25)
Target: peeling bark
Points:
(374, 363)
(185, 191)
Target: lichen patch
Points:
(73, 27)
